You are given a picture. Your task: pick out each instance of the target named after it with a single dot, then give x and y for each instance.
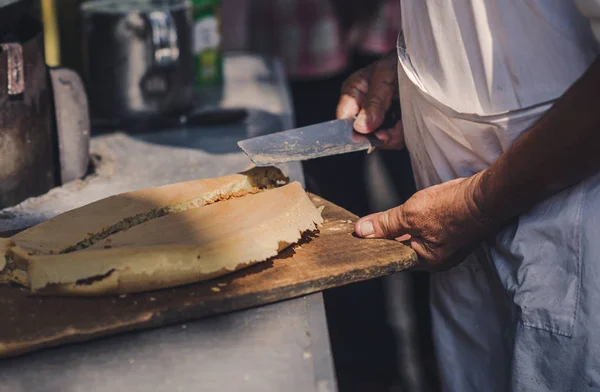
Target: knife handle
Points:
(392, 115)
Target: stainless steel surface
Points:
(330, 138)
(138, 57)
(275, 348)
(164, 38)
(278, 347)
(284, 346)
(72, 123)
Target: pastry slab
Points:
(81, 227)
(332, 257)
(162, 237)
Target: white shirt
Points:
(493, 56)
(473, 76)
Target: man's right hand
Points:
(367, 94)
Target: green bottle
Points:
(208, 59)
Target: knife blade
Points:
(313, 141)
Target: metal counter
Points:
(279, 347)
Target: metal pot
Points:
(36, 152)
(27, 153)
(138, 56)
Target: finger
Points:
(354, 91)
(428, 262)
(382, 87)
(424, 256)
(404, 238)
(388, 224)
(392, 139)
(349, 106)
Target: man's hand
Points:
(368, 94)
(441, 223)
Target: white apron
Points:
(518, 314)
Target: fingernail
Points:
(347, 112)
(404, 237)
(361, 121)
(366, 228)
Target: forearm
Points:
(559, 151)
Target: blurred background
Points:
(379, 329)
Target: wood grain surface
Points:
(330, 258)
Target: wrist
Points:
(483, 200)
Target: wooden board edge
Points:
(229, 305)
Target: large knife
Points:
(314, 141)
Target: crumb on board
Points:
(215, 289)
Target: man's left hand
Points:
(441, 223)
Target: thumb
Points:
(388, 224)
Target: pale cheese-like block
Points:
(81, 227)
(179, 248)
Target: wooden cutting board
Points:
(332, 258)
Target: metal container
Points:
(138, 58)
(39, 148)
(27, 143)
